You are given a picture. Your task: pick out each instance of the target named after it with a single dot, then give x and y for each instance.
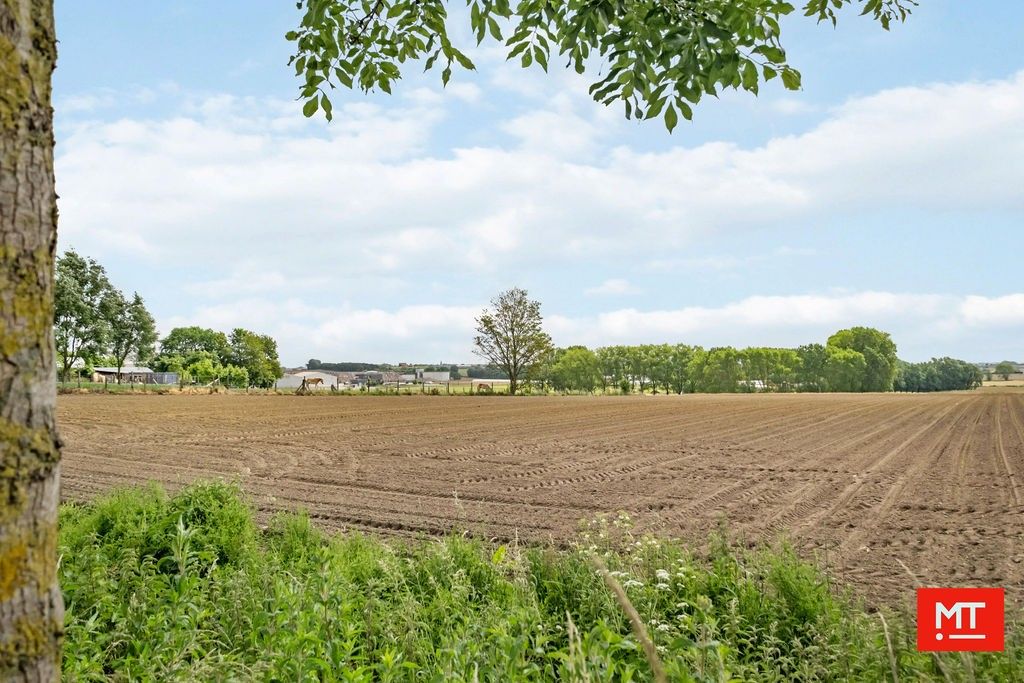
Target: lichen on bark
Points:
(31, 609)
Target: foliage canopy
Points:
(657, 58)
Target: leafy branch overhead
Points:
(657, 57)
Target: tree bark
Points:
(31, 607)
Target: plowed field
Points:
(867, 483)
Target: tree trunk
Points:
(31, 608)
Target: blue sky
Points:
(886, 192)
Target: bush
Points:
(186, 587)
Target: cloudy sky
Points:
(888, 192)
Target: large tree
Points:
(186, 341)
(1005, 368)
(658, 58)
(31, 609)
(83, 304)
(879, 351)
(576, 369)
(132, 330)
(510, 335)
(257, 353)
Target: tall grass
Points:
(187, 587)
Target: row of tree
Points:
(96, 323)
(93, 320)
(241, 359)
(679, 368)
(510, 335)
(938, 374)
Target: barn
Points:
(128, 373)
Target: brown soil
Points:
(866, 483)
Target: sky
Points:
(887, 192)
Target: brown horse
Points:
(312, 381)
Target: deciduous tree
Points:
(31, 608)
(132, 330)
(844, 369)
(879, 353)
(83, 301)
(257, 353)
(1005, 368)
(184, 341)
(511, 336)
(576, 369)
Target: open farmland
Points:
(935, 482)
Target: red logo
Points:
(960, 619)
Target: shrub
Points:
(186, 587)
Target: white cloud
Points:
(993, 312)
(614, 286)
(219, 181)
(921, 324)
(241, 171)
(729, 262)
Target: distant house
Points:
(134, 373)
(370, 378)
(431, 376)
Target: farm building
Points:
(134, 373)
(425, 376)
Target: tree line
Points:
(95, 323)
(202, 355)
(510, 335)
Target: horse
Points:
(308, 382)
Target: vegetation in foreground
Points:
(188, 587)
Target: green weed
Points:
(187, 587)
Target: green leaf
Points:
(791, 79)
(463, 60)
(671, 118)
(343, 77)
(309, 108)
(654, 109)
(771, 53)
(749, 75)
(326, 105)
(541, 58)
(517, 49)
(493, 27)
(499, 555)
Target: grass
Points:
(188, 587)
